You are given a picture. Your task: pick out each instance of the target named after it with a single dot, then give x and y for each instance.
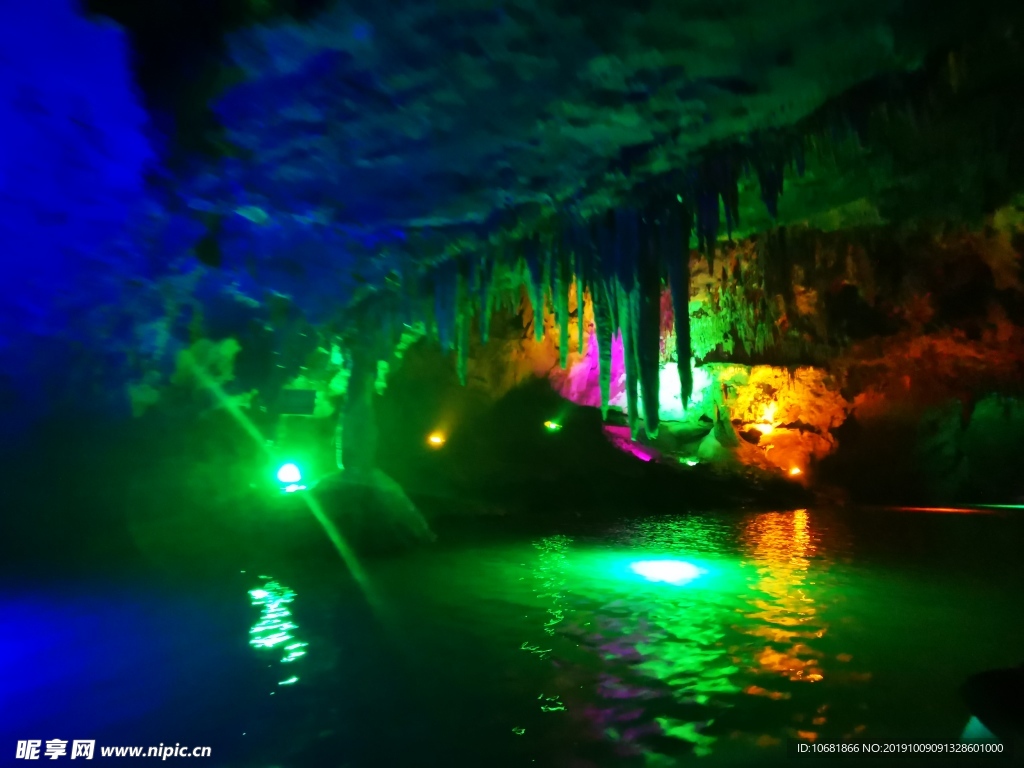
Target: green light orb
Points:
(289, 473)
(552, 426)
(667, 571)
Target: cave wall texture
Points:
(832, 191)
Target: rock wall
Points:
(820, 346)
(823, 357)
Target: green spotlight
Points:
(289, 474)
(667, 571)
(552, 426)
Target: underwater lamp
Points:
(552, 426)
(667, 571)
(289, 473)
(290, 478)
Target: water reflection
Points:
(784, 614)
(275, 629)
(681, 621)
(646, 639)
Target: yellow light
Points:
(766, 427)
(795, 471)
(436, 439)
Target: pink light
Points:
(619, 437)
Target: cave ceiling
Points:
(372, 131)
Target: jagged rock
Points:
(372, 512)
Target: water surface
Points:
(657, 641)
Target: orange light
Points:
(765, 427)
(436, 439)
(795, 471)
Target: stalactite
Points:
(483, 284)
(770, 177)
(626, 240)
(676, 245)
(604, 322)
(730, 190)
(358, 428)
(778, 266)
(463, 322)
(581, 316)
(446, 278)
(619, 252)
(427, 305)
(647, 325)
(624, 303)
(388, 318)
(407, 294)
(706, 202)
(535, 283)
(562, 281)
(577, 244)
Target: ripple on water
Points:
(696, 634)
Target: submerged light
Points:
(552, 426)
(668, 571)
(436, 439)
(976, 732)
(289, 474)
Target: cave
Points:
(518, 384)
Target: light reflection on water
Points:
(710, 636)
(275, 629)
(697, 665)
